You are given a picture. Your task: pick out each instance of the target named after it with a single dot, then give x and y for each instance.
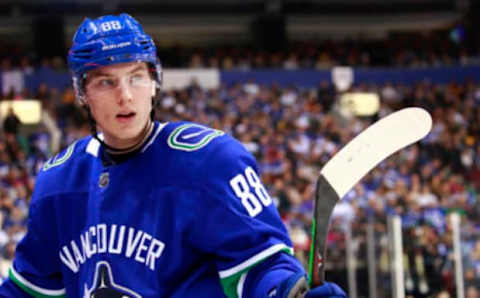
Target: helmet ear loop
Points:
(81, 100)
(79, 88)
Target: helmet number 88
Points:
(107, 26)
(255, 200)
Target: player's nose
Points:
(125, 93)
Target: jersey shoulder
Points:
(191, 137)
(204, 153)
(64, 171)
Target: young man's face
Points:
(120, 99)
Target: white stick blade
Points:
(374, 144)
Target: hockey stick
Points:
(351, 163)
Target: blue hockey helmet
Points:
(108, 40)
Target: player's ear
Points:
(84, 100)
(154, 88)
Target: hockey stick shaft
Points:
(351, 163)
(328, 201)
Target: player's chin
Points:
(130, 132)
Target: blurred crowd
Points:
(419, 51)
(292, 132)
(432, 49)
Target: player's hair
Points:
(108, 40)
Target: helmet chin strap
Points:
(147, 130)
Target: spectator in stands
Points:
(11, 122)
(6, 259)
(13, 81)
(443, 294)
(472, 292)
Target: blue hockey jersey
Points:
(186, 216)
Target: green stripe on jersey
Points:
(33, 290)
(312, 250)
(175, 143)
(230, 278)
(58, 160)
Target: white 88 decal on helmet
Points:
(111, 25)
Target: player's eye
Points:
(106, 83)
(139, 79)
(101, 83)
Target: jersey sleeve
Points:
(237, 220)
(10, 289)
(36, 267)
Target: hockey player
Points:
(149, 209)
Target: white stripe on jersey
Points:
(256, 258)
(31, 286)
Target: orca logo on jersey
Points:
(191, 137)
(104, 285)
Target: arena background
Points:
(294, 81)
